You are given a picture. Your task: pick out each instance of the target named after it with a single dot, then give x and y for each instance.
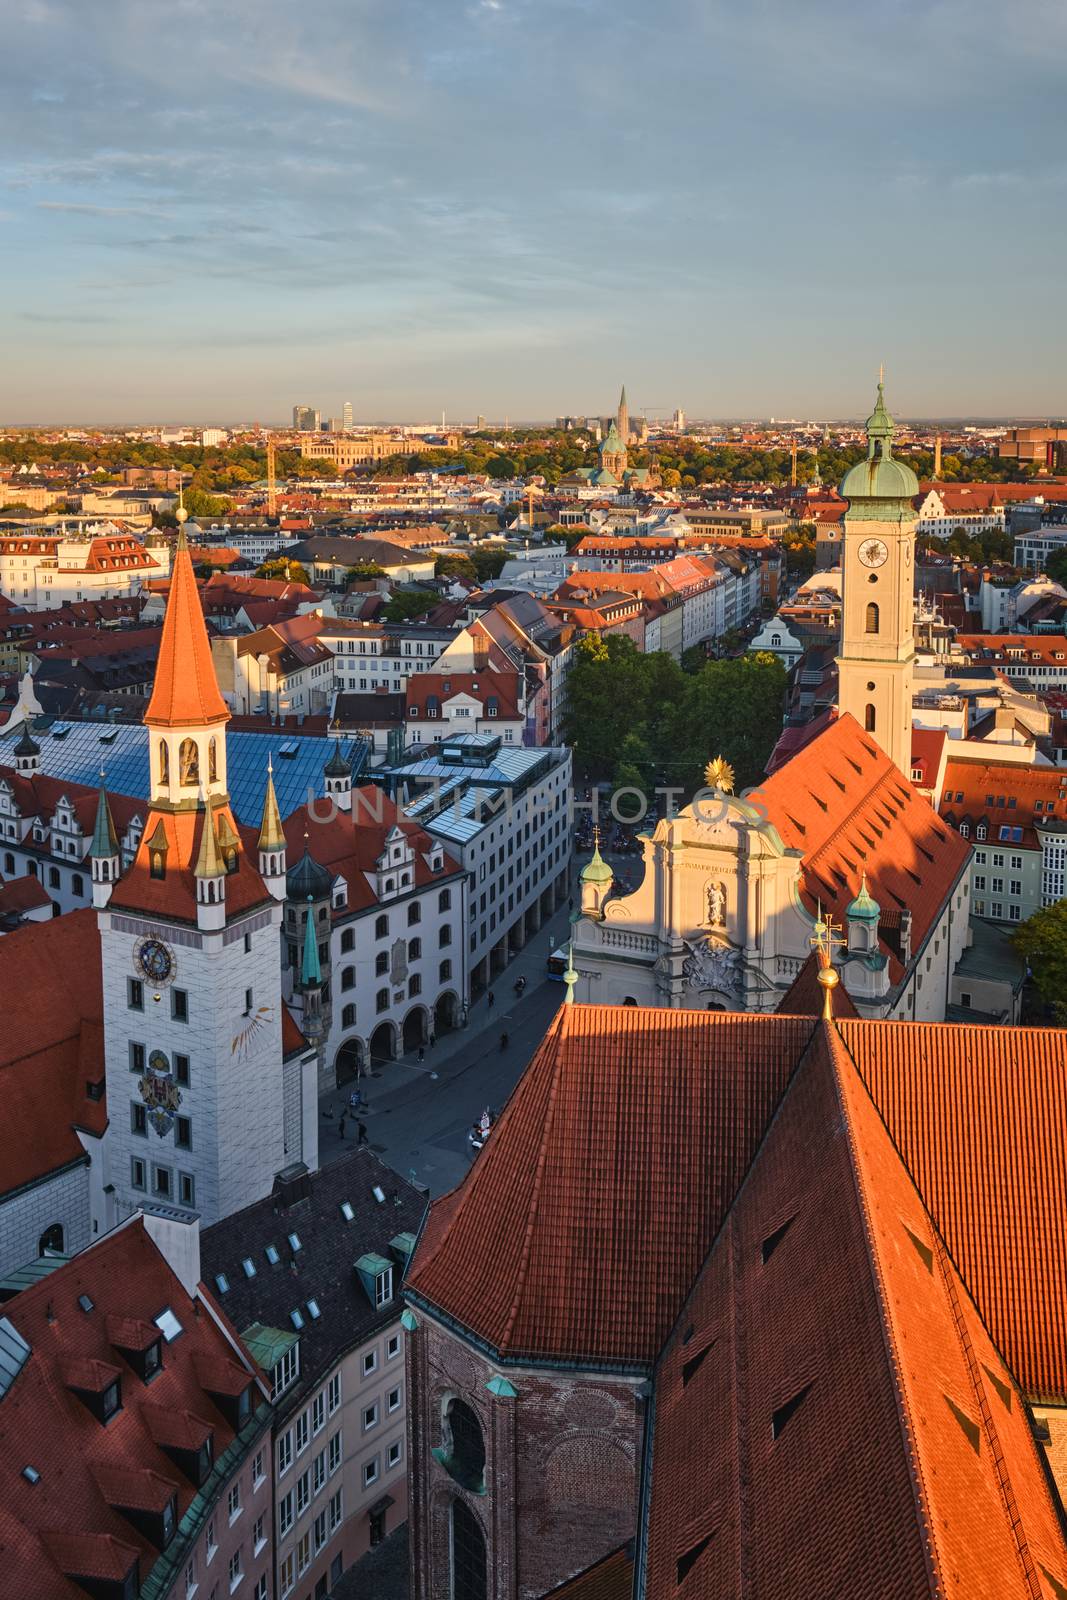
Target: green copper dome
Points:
(864, 907)
(880, 477)
(596, 869)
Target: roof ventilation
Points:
(971, 1429)
(924, 1250)
(693, 1365)
(688, 1561)
(773, 1240)
(31, 1474)
(781, 1417)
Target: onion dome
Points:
(306, 880)
(27, 745)
(881, 476)
(596, 869)
(864, 908)
(337, 766)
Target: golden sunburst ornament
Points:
(719, 774)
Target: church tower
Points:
(876, 659)
(199, 1097)
(622, 418)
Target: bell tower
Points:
(877, 652)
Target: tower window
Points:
(872, 618)
(164, 762)
(212, 760)
(869, 719)
(188, 762)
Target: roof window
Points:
(784, 1414)
(296, 1317)
(85, 1303)
(248, 1267)
(314, 1310)
(271, 1253)
(222, 1283)
(294, 1243)
(168, 1324)
(688, 1561)
(31, 1474)
(347, 1212)
(773, 1240)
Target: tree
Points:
(455, 567)
(408, 603)
(362, 570)
(199, 504)
(633, 770)
(282, 567)
(1056, 567)
(488, 561)
(1043, 942)
(731, 708)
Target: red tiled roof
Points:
(804, 997)
(185, 693)
(174, 895)
(37, 795)
(20, 895)
(569, 1239)
(481, 686)
(843, 803)
(51, 1046)
(55, 1527)
(907, 1469)
(349, 844)
(1004, 794)
(609, 1579)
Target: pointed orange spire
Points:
(186, 691)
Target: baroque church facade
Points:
(734, 886)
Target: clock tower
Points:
(876, 659)
(203, 1111)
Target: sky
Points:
(211, 210)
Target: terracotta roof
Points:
(481, 686)
(68, 1521)
(804, 997)
(349, 844)
(185, 693)
(895, 1463)
(609, 1579)
(51, 1046)
(37, 795)
(174, 895)
(20, 895)
(847, 807)
(580, 1229)
(1004, 795)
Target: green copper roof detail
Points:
(880, 477)
(266, 1345)
(864, 908)
(596, 869)
(105, 840)
(408, 1320)
(502, 1388)
(310, 970)
(612, 444)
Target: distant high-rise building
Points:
(335, 425)
(346, 416)
(679, 420)
(480, 424)
(306, 419)
(622, 420)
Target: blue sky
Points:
(212, 209)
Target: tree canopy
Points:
(282, 567)
(408, 603)
(1042, 939)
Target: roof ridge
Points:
(837, 1049)
(1004, 1484)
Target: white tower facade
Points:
(201, 1104)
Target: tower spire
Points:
(104, 850)
(271, 836)
(186, 691)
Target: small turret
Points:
(861, 919)
(865, 969)
(338, 775)
(310, 985)
(210, 873)
(271, 843)
(27, 751)
(104, 850)
(597, 879)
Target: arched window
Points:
(9, 862)
(469, 1580)
(348, 941)
(414, 949)
(414, 913)
(381, 928)
(188, 762)
(51, 1240)
(444, 900)
(212, 760)
(348, 1017)
(381, 1001)
(869, 719)
(164, 761)
(872, 618)
(381, 964)
(464, 1446)
(348, 978)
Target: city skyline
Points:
(477, 206)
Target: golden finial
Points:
(719, 774)
(825, 939)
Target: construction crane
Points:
(793, 463)
(272, 484)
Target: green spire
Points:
(310, 970)
(880, 424)
(105, 840)
(570, 977)
(864, 908)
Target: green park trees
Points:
(1042, 939)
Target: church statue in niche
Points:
(716, 905)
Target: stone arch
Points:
(415, 1030)
(188, 762)
(164, 761)
(870, 717)
(51, 1240)
(445, 1012)
(872, 617)
(468, 1553)
(383, 1043)
(350, 1060)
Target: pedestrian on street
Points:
(422, 1053)
(361, 1129)
(433, 1040)
(341, 1125)
(491, 998)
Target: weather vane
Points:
(826, 939)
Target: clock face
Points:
(155, 961)
(873, 552)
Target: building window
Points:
(285, 1372)
(348, 1017)
(414, 913)
(303, 1554)
(287, 1575)
(303, 1433)
(318, 1412)
(348, 940)
(370, 1417)
(320, 1531)
(444, 900)
(138, 1119)
(138, 1176)
(183, 1133)
(257, 1470)
(136, 1056)
(464, 1447)
(348, 978)
(188, 762)
(396, 1450)
(181, 1071)
(869, 718)
(392, 1347)
(303, 1492)
(444, 937)
(414, 985)
(236, 1572)
(393, 1399)
(285, 1514)
(872, 618)
(233, 1502)
(334, 1452)
(187, 1189)
(179, 1005)
(381, 1002)
(381, 928)
(370, 1472)
(135, 994)
(381, 964)
(469, 1579)
(285, 1452)
(161, 1182)
(414, 949)
(370, 1363)
(383, 1288)
(336, 1512)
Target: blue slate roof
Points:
(77, 750)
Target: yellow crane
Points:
(793, 465)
